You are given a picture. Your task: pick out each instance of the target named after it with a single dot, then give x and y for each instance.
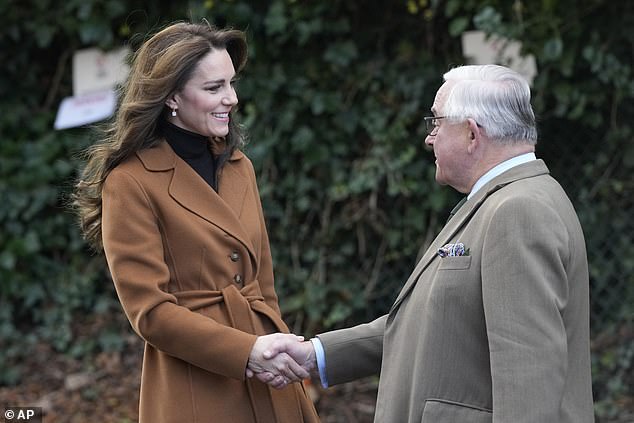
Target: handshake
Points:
(279, 359)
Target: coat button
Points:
(235, 256)
(237, 279)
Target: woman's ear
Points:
(171, 102)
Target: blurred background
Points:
(333, 98)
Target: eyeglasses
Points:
(431, 123)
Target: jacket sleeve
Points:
(355, 352)
(524, 290)
(135, 254)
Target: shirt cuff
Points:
(320, 356)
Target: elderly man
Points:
(493, 323)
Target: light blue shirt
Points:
(320, 356)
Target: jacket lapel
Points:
(222, 209)
(463, 216)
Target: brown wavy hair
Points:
(162, 66)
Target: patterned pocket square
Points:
(453, 250)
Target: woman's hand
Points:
(271, 364)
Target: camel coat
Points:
(500, 334)
(193, 271)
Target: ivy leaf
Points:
(458, 25)
(276, 20)
(553, 49)
(341, 54)
(43, 36)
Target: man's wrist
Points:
(320, 358)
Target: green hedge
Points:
(333, 98)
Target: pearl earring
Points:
(173, 112)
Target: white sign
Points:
(96, 75)
(96, 70)
(85, 109)
(480, 50)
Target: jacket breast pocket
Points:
(440, 411)
(455, 263)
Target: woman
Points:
(175, 206)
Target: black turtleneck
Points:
(194, 149)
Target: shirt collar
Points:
(501, 168)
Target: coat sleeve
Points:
(355, 352)
(524, 290)
(135, 254)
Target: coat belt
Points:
(240, 304)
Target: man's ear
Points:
(475, 135)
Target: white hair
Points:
(496, 97)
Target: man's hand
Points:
(302, 353)
(278, 368)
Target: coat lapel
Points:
(187, 188)
(463, 216)
(233, 188)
